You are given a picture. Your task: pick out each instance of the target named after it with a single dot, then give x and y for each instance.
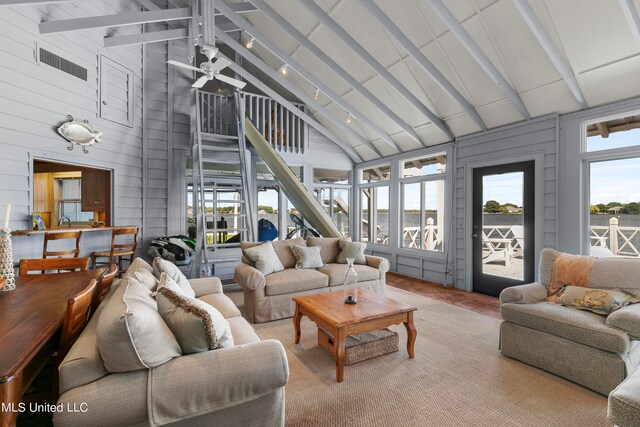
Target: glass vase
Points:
(350, 283)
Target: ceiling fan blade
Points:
(231, 81)
(180, 64)
(220, 64)
(200, 82)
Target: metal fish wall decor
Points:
(79, 132)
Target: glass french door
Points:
(503, 226)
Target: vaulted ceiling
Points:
(504, 60)
(391, 76)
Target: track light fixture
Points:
(349, 117)
(283, 69)
(317, 94)
(249, 43)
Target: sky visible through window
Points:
(503, 188)
(615, 180)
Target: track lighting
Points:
(249, 43)
(317, 94)
(283, 69)
(349, 117)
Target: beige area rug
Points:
(458, 378)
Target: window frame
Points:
(589, 157)
(332, 187)
(422, 180)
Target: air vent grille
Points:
(62, 64)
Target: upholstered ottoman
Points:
(624, 402)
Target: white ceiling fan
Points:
(211, 70)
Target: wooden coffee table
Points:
(372, 312)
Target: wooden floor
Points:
(473, 301)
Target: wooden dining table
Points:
(30, 317)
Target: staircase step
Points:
(215, 137)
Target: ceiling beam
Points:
(480, 57)
(633, 19)
(302, 40)
(558, 61)
(29, 2)
(377, 66)
(129, 18)
(300, 69)
(346, 147)
(144, 38)
(421, 60)
(299, 93)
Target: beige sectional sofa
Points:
(593, 350)
(269, 297)
(239, 385)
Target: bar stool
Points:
(118, 250)
(62, 235)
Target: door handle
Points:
(475, 231)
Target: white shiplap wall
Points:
(533, 140)
(35, 99)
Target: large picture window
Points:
(614, 198)
(375, 214)
(422, 192)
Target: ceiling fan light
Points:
(283, 70)
(249, 43)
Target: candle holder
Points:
(6, 261)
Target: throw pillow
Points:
(349, 249)
(130, 333)
(196, 325)
(143, 272)
(570, 270)
(264, 258)
(163, 266)
(601, 301)
(307, 257)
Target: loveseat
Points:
(269, 297)
(239, 385)
(593, 350)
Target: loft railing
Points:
(279, 125)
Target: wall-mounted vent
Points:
(62, 64)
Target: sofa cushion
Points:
(349, 249)
(222, 303)
(264, 258)
(569, 323)
(329, 248)
(242, 331)
(615, 272)
(545, 272)
(335, 272)
(282, 248)
(163, 266)
(307, 257)
(624, 402)
(291, 280)
(196, 325)
(131, 334)
(143, 273)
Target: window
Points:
(268, 216)
(614, 200)
(117, 101)
(332, 190)
(422, 190)
(375, 214)
(70, 200)
(377, 174)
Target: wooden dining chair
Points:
(62, 235)
(75, 319)
(118, 250)
(103, 286)
(58, 264)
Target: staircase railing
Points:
(284, 131)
